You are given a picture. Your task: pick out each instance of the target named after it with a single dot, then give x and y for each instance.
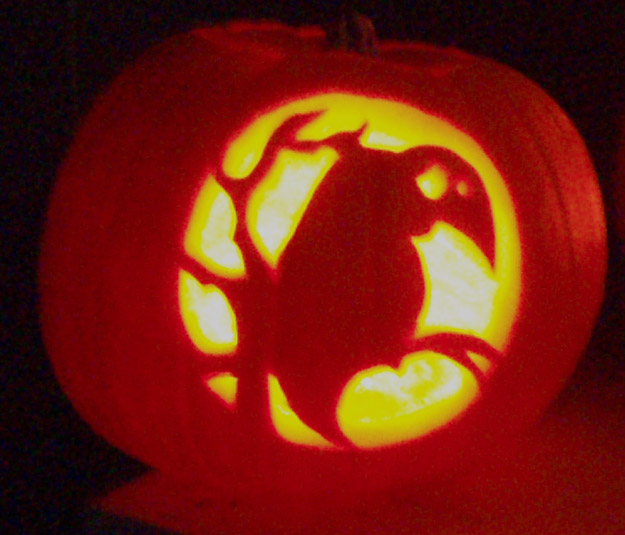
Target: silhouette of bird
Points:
(351, 284)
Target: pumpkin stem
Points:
(352, 31)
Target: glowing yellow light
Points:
(277, 205)
(381, 406)
(332, 122)
(246, 150)
(460, 285)
(209, 236)
(482, 363)
(376, 139)
(462, 188)
(286, 422)
(463, 292)
(433, 182)
(394, 126)
(207, 316)
(225, 386)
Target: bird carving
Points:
(351, 259)
(351, 283)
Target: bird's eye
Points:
(433, 182)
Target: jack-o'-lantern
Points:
(273, 266)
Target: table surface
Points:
(568, 477)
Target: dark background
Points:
(62, 54)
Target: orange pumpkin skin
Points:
(114, 257)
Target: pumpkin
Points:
(271, 266)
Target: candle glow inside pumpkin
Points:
(380, 405)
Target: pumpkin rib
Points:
(562, 149)
(127, 385)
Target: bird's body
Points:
(351, 282)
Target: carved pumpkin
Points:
(272, 266)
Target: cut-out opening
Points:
(382, 406)
(287, 423)
(209, 236)
(224, 385)
(207, 316)
(433, 182)
(278, 203)
(464, 292)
